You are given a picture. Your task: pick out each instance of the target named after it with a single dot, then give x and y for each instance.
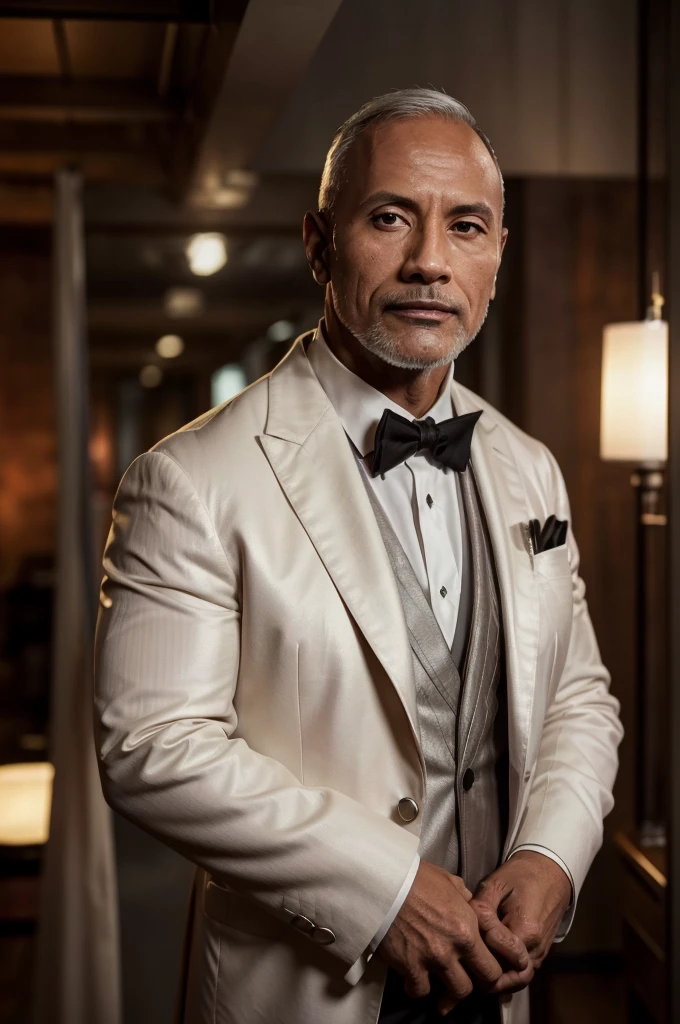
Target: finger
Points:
(461, 888)
(513, 981)
(499, 938)
(458, 985)
(529, 932)
(492, 891)
(417, 984)
(480, 961)
(507, 946)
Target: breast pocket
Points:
(553, 575)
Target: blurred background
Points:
(171, 148)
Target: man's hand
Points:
(529, 895)
(437, 930)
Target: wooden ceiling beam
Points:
(271, 52)
(183, 11)
(25, 203)
(24, 98)
(49, 137)
(118, 168)
(276, 208)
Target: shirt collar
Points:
(359, 405)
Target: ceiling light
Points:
(206, 253)
(170, 346)
(183, 302)
(227, 382)
(150, 376)
(281, 330)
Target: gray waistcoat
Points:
(462, 709)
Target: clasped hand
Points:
(492, 940)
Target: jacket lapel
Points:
(308, 451)
(505, 506)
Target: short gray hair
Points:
(392, 106)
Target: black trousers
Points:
(398, 1008)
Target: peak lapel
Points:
(505, 506)
(309, 452)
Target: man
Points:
(348, 673)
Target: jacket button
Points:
(407, 808)
(468, 779)
(324, 936)
(303, 924)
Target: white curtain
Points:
(78, 965)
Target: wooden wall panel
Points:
(28, 470)
(570, 267)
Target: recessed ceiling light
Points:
(206, 253)
(169, 346)
(183, 302)
(227, 382)
(281, 330)
(150, 376)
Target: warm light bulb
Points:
(183, 302)
(206, 253)
(281, 330)
(150, 376)
(170, 346)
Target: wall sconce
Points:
(634, 428)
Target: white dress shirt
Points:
(420, 498)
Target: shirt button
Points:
(443, 591)
(468, 779)
(430, 501)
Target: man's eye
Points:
(387, 219)
(467, 227)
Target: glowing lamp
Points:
(633, 423)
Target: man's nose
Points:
(428, 258)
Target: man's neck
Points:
(416, 391)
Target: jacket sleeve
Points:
(166, 678)
(571, 788)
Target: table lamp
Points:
(634, 428)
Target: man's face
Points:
(416, 241)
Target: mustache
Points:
(406, 296)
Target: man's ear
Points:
(316, 234)
(504, 238)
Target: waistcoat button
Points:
(324, 936)
(468, 779)
(407, 808)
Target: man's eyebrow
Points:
(482, 209)
(394, 199)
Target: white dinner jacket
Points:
(255, 696)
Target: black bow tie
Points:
(397, 439)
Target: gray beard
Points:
(379, 342)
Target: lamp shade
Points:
(25, 802)
(634, 412)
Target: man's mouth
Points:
(433, 311)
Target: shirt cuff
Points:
(396, 906)
(568, 914)
(357, 969)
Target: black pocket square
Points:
(553, 534)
